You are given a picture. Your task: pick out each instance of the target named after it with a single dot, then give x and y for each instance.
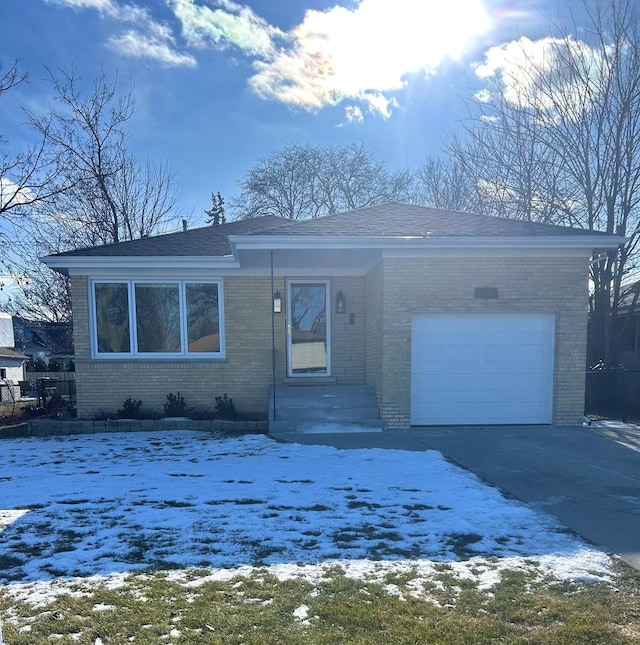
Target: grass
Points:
(13, 420)
(188, 607)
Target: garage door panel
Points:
(481, 368)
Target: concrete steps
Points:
(323, 408)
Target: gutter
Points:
(63, 264)
(303, 242)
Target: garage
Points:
(481, 369)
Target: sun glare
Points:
(428, 32)
(372, 47)
(365, 52)
(417, 34)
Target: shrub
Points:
(199, 413)
(130, 409)
(39, 366)
(225, 408)
(175, 405)
(54, 365)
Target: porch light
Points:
(277, 303)
(341, 303)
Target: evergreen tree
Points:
(215, 215)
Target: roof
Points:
(5, 352)
(406, 220)
(204, 241)
(391, 220)
(35, 335)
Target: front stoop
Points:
(323, 408)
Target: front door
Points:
(308, 328)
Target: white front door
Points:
(472, 369)
(308, 328)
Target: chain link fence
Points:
(613, 394)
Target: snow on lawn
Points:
(109, 503)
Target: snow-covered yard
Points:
(110, 503)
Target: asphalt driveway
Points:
(589, 478)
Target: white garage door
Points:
(481, 369)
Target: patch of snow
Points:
(301, 613)
(102, 607)
(614, 425)
(9, 516)
(107, 504)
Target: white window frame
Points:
(133, 331)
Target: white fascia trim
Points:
(276, 242)
(84, 264)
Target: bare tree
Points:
(104, 194)
(26, 176)
(444, 182)
(557, 139)
(109, 195)
(300, 182)
(42, 295)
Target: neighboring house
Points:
(454, 318)
(626, 330)
(11, 362)
(41, 340)
(11, 365)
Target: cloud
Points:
(538, 72)
(230, 25)
(365, 52)
(100, 5)
(136, 44)
(148, 39)
(361, 54)
(109, 8)
(11, 193)
(354, 114)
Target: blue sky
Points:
(220, 84)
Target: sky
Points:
(110, 503)
(220, 84)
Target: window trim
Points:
(134, 354)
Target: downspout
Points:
(273, 344)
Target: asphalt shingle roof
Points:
(406, 220)
(205, 241)
(5, 352)
(385, 220)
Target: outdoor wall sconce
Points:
(277, 303)
(341, 303)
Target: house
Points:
(43, 340)
(11, 362)
(625, 331)
(450, 318)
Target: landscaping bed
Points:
(46, 427)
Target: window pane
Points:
(308, 307)
(203, 321)
(112, 318)
(158, 317)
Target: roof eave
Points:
(269, 242)
(63, 264)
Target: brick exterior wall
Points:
(525, 285)
(348, 338)
(245, 374)
(374, 336)
(371, 342)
